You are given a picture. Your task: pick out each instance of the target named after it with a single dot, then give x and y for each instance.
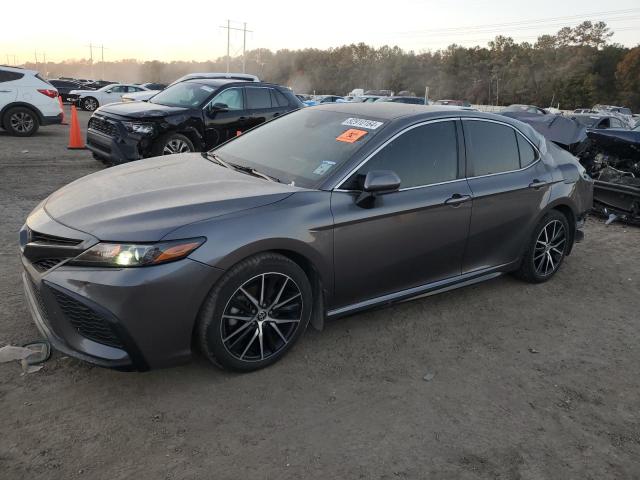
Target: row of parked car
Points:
(310, 100)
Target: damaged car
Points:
(611, 156)
(192, 115)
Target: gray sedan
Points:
(318, 214)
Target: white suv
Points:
(26, 101)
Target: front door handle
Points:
(242, 118)
(538, 184)
(456, 200)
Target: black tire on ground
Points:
(236, 331)
(171, 143)
(102, 159)
(89, 104)
(546, 249)
(20, 121)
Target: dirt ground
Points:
(529, 382)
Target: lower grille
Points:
(102, 126)
(86, 321)
(38, 296)
(46, 263)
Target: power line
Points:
(523, 27)
(522, 22)
(244, 31)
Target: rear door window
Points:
(258, 98)
(278, 99)
(491, 148)
(424, 155)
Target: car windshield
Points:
(183, 94)
(303, 147)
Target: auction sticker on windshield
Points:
(362, 123)
(324, 167)
(351, 135)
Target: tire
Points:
(89, 104)
(21, 122)
(102, 159)
(547, 248)
(235, 334)
(171, 143)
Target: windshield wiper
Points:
(217, 159)
(241, 168)
(254, 172)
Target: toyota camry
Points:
(321, 213)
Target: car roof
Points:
(18, 69)
(218, 82)
(393, 110)
(407, 113)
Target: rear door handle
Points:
(538, 184)
(456, 200)
(242, 118)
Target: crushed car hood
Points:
(624, 143)
(141, 109)
(561, 130)
(144, 200)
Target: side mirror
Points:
(216, 108)
(377, 182)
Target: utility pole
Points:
(244, 47)
(91, 57)
(497, 91)
(244, 43)
(102, 60)
(35, 55)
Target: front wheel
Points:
(256, 313)
(547, 248)
(172, 143)
(89, 104)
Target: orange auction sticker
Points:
(351, 135)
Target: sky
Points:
(191, 29)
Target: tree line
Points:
(576, 67)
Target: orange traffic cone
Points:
(64, 119)
(75, 135)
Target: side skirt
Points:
(426, 290)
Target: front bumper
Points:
(112, 142)
(128, 318)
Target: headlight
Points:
(136, 255)
(142, 128)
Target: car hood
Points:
(145, 200)
(141, 109)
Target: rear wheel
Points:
(547, 248)
(21, 122)
(90, 104)
(172, 143)
(255, 314)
